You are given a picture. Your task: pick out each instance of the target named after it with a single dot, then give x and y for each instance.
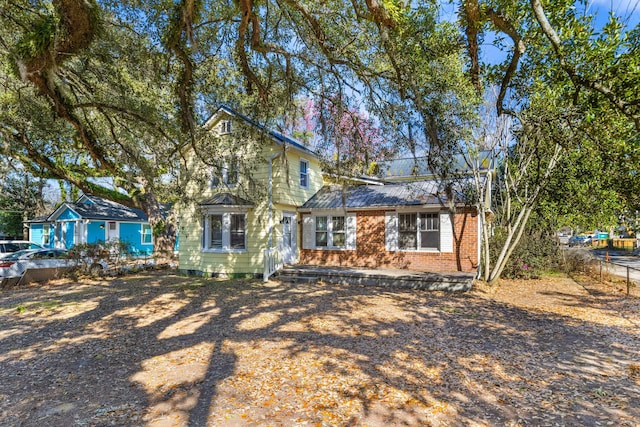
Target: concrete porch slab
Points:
(452, 282)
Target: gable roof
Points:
(94, 207)
(107, 209)
(278, 137)
(419, 193)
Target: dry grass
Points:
(165, 350)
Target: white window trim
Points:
(142, 242)
(392, 231)
(226, 126)
(302, 160)
(309, 224)
(330, 232)
(419, 247)
(226, 231)
(224, 178)
(46, 236)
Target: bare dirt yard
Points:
(158, 349)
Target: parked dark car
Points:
(579, 240)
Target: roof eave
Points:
(378, 207)
(277, 137)
(60, 209)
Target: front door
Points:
(112, 231)
(60, 235)
(289, 247)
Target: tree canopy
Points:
(110, 91)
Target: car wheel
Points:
(96, 270)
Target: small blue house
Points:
(92, 219)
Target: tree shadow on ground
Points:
(170, 350)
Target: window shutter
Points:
(446, 233)
(391, 231)
(308, 232)
(350, 231)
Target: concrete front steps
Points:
(452, 282)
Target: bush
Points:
(577, 260)
(535, 253)
(111, 253)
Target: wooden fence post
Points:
(600, 271)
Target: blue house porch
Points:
(92, 219)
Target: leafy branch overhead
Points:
(108, 95)
(535, 28)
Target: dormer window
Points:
(225, 126)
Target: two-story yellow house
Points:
(240, 217)
(258, 201)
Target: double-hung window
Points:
(226, 173)
(46, 235)
(215, 232)
(418, 231)
(407, 228)
(330, 231)
(304, 174)
(429, 231)
(226, 126)
(237, 230)
(224, 231)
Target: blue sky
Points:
(628, 10)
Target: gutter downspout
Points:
(271, 159)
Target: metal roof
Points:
(419, 166)
(366, 196)
(225, 199)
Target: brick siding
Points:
(371, 251)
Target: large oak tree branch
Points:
(182, 24)
(576, 78)
(472, 16)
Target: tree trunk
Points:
(162, 225)
(485, 256)
(515, 234)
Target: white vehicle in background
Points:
(34, 265)
(11, 246)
